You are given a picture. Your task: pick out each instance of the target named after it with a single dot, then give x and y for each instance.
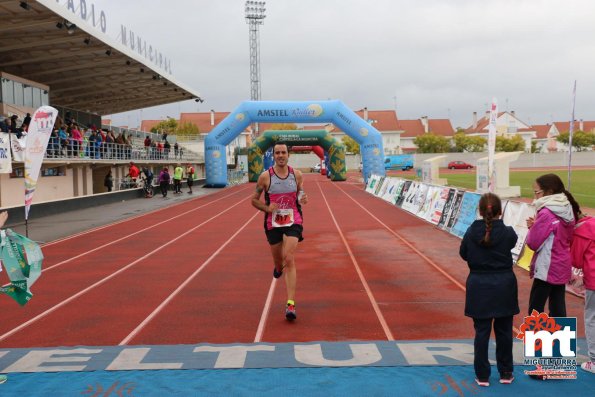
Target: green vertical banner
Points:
(22, 259)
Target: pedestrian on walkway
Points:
(178, 173)
(189, 177)
(492, 292)
(164, 181)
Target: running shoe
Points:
(506, 378)
(290, 312)
(3, 378)
(483, 382)
(589, 366)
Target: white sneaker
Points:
(589, 366)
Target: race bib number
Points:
(282, 217)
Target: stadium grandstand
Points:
(58, 53)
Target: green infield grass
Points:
(582, 183)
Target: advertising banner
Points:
(38, 136)
(404, 192)
(446, 211)
(439, 205)
(454, 210)
(5, 158)
(18, 147)
(467, 213)
(515, 215)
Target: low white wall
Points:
(558, 159)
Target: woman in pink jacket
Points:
(583, 257)
(550, 236)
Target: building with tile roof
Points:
(507, 125)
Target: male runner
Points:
(284, 194)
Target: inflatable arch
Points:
(297, 137)
(318, 112)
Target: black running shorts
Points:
(275, 235)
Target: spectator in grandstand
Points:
(147, 144)
(53, 144)
(133, 172)
(110, 141)
(127, 145)
(176, 150)
(550, 236)
(103, 146)
(108, 181)
(178, 173)
(583, 257)
(90, 150)
(492, 291)
(164, 181)
(63, 137)
(120, 146)
(77, 138)
(153, 150)
(189, 177)
(159, 150)
(3, 125)
(166, 149)
(26, 122)
(13, 126)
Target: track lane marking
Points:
(132, 234)
(171, 296)
(112, 275)
(381, 319)
(137, 216)
(428, 260)
(265, 312)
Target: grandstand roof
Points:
(85, 69)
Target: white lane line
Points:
(432, 263)
(265, 312)
(105, 279)
(448, 276)
(155, 312)
(407, 243)
(131, 235)
(389, 335)
(136, 217)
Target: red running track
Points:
(201, 272)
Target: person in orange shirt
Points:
(133, 172)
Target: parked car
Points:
(459, 165)
(316, 168)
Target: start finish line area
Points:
(428, 368)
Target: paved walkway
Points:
(53, 227)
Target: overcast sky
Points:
(435, 58)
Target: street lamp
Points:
(254, 18)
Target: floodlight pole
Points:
(254, 18)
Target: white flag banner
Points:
(492, 145)
(5, 158)
(38, 137)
